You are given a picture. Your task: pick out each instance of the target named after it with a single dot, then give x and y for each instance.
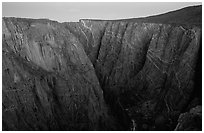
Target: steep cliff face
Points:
(48, 81)
(144, 69)
(98, 75)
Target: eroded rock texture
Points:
(98, 75)
(146, 70)
(48, 81)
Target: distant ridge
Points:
(191, 15)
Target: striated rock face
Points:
(48, 81)
(98, 75)
(146, 70)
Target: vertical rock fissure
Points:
(100, 44)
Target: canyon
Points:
(131, 74)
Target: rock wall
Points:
(48, 81)
(146, 70)
(97, 75)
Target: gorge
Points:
(131, 74)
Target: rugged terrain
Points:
(101, 75)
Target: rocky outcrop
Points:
(190, 121)
(99, 75)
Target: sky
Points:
(72, 12)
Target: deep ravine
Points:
(99, 75)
